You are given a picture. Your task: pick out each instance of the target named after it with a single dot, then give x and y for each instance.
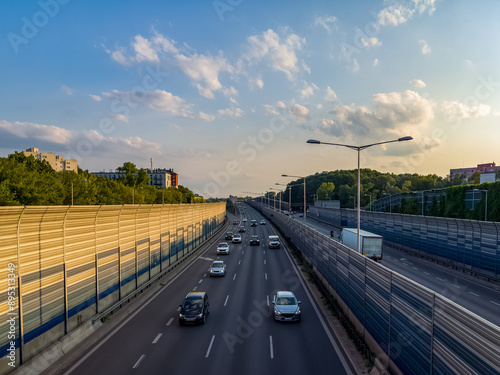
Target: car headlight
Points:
(181, 316)
(200, 315)
(277, 312)
(297, 312)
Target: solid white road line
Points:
(170, 322)
(271, 346)
(157, 338)
(225, 302)
(210, 346)
(139, 361)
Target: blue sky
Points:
(227, 92)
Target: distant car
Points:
(237, 238)
(194, 308)
(229, 236)
(218, 268)
(254, 241)
(286, 307)
(262, 222)
(244, 220)
(223, 248)
(253, 223)
(235, 222)
(242, 229)
(274, 242)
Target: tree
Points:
(475, 178)
(325, 190)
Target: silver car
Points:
(223, 248)
(237, 238)
(218, 268)
(286, 307)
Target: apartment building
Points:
(57, 162)
(161, 178)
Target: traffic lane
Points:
(479, 299)
(126, 346)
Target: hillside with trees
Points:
(28, 181)
(342, 185)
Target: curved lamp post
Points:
(359, 149)
(305, 208)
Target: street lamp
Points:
(359, 149)
(485, 202)
(275, 197)
(289, 195)
(305, 208)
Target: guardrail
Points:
(64, 265)
(412, 329)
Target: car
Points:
(229, 236)
(237, 238)
(194, 308)
(223, 248)
(253, 223)
(254, 241)
(242, 229)
(218, 268)
(274, 242)
(235, 222)
(244, 220)
(262, 222)
(286, 307)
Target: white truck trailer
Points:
(370, 244)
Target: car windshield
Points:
(192, 304)
(217, 264)
(286, 301)
(223, 245)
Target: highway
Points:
(240, 335)
(476, 295)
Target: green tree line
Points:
(28, 181)
(342, 185)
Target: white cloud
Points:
(391, 114)
(355, 65)
(164, 44)
(120, 58)
(329, 126)
(97, 98)
(260, 83)
(308, 90)
(371, 42)
(67, 90)
(232, 112)
(330, 96)
(63, 139)
(457, 110)
(425, 47)
(144, 50)
(120, 117)
(279, 52)
(280, 105)
(28, 130)
(299, 113)
(271, 110)
(328, 22)
(496, 113)
(230, 91)
(306, 67)
(204, 70)
(396, 14)
(417, 83)
(319, 106)
(159, 100)
(207, 117)
(375, 62)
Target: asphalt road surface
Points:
(240, 335)
(476, 295)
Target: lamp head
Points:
(313, 141)
(407, 138)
